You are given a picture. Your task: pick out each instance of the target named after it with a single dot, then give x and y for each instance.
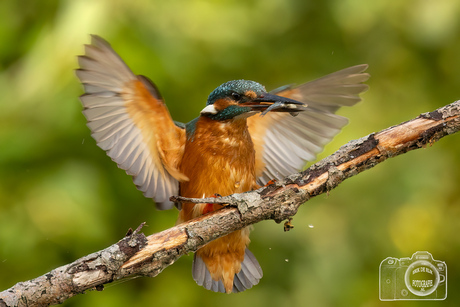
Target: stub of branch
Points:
(138, 255)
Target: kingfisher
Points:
(244, 138)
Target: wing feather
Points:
(129, 120)
(284, 143)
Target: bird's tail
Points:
(248, 276)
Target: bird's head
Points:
(243, 98)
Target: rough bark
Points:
(138, 255)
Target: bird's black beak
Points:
(273, 103)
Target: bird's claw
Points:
(210, 207)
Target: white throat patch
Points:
(210, 109)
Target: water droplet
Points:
(270, 248)
(287, 260)
(311, 226)
(237, 184)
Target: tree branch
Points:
(137, 254)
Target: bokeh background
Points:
(62, 198)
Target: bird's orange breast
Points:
(218, 159)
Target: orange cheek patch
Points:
(221, 104)
(250, 94)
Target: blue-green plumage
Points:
(229, 112)
(190, 129)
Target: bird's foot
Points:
(210, 207)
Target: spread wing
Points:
(129, 120)
(284, 143)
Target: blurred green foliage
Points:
(62, 198)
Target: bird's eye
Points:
(236, 96)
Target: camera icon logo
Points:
(417, 278)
